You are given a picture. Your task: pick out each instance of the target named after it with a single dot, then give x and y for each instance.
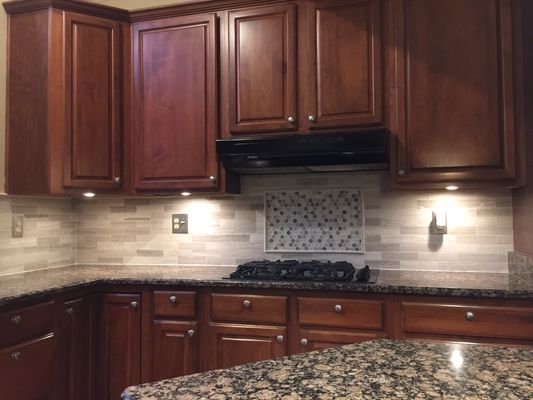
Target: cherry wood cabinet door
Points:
(82, 329)
(345, 61)
(92, 109)
(122, 343)
(232, 344)
(175, 349)
(452, 110)
(28, 370)
(262, 69)
(175, 103)
(311, 340)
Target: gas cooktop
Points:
(292, 270)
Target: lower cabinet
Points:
(81, 343)
(175, 349)
(122, 343)
(311, 340)
(235, 344)
(27, 370)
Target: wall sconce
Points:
(439, 223)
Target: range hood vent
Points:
(366, 150)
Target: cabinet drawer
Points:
(26, 323)
(175, 304)
(249, 308)
(469, 320)
(342, 313)
(28, 370)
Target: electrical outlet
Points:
(180, 223)
(17, 226)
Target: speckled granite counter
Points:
(21, 287)
(380, 369)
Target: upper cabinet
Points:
(64, 99)
(175, 103)
(304, 66)
(344, 57)
(263, 70)
(454, 85)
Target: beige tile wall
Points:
(49, 234)
(228, 231)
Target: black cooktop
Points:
(292, 270)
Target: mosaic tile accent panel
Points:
(314, 221)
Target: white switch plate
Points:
(17, 227)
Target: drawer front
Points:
(175, 304)
(462, 319)
(341, 313)
(26, 323)
(28, 370)
(248, 308)
(311, 340)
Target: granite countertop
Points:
(36, 284)
(380, 369)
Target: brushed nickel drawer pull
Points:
(70, 310)
(280, 338)
(190, 332)
(134, 304)
(15, 356)
(16, 319)
(470, 315)
(338, 308)
(303, 342)
(173, 299)
(246, 303)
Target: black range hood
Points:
(354, 151)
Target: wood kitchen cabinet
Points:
(455, 78)
(82, 348)
(175, 103)
(263, 69)
(64, 100)
(121, 349)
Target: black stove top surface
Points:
(292, 270)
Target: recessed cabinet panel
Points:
(175, 103)
(345, 61)
(92, 67)
(262, 65)
(456, 109)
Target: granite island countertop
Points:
(37, 284)
(380, 369)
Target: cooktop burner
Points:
(292, 270)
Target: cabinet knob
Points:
(191, 332)
(16, 319)
(134, 304)
(172, 299)
(280, 338)
(470, 315)
(290, 119)
(212, 178)
(70, 310)
(338, 308)
(117, 179)
(401, 172)
(311, 118)
(246, 303)
(15, 356)
(303, 342)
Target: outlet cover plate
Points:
(180, 223)
(17, 226)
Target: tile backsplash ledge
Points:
(230, 230)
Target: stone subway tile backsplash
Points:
(49, 238)
(230, 230)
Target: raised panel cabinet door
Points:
(92, 84)
(122, 343)
(175, 349)
(82, 330)
(452, 110)
(175, 98)
(345, 61)
(232, 344)
(311, 340)
(262, 69)
(27, 370)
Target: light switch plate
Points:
(17, 226)
(180, 223)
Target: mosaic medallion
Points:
(314, 221)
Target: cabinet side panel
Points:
(27, 145)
